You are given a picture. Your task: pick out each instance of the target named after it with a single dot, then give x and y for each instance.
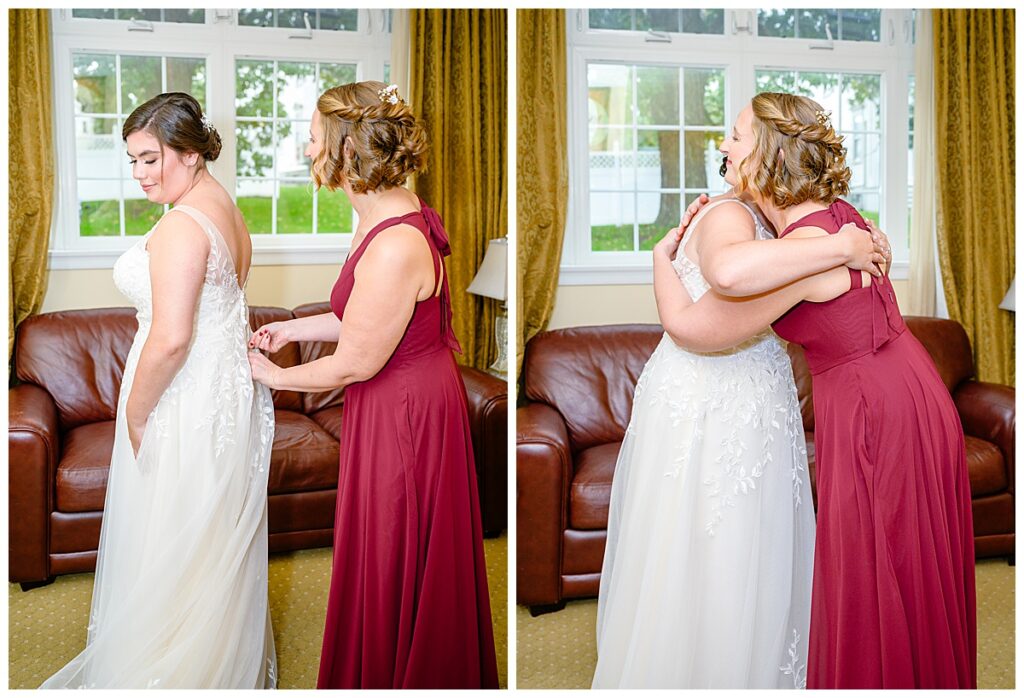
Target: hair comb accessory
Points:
(390, 95)
(823, 118)
(207, 124)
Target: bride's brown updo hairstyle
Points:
(387, 141)
(176, 120)
(797, 154)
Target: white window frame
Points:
(740, 53)
(221, 41)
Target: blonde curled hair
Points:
(797, 155)
(388, 143)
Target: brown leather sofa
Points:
(579, 386)
(61, 433)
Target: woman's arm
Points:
(315, 328)
(388, 281)
(735, 264)
(178, 250)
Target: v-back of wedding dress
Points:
(706, 581)
(180, 593)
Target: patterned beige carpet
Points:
(47, 625)
(557, 650)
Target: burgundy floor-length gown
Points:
(893, 602)
(408, 605)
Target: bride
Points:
(706, 580)
(180, 593)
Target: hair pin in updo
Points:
(207, 124)
(823, 118)
(390, 95)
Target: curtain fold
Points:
(542, 167)
(974, 154)
(458, 86)
(31, 164)
(922, 217)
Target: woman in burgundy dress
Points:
(893, 600)
(408, 605)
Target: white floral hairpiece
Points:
(207, 124)
(390, 94)
(823, 118)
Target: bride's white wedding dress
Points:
(180, 594)
(706, 580)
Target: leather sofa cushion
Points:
(985, 466)
(946, 342)
(589, 375)
(592, 487)
(305, 457)
(330, 421)
(82, 470)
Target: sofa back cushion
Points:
(78, 357)
(311, 351)
(286, 358)
(946, 342)
(589, 374)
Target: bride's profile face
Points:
(738, 144)
(163, 174)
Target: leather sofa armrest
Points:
(487, 400)
(33, 439)
(987, 412)
(543, 473)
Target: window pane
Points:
(704, 21)
(611, 158)
(93, 14)
(867, 203)
(704, 97)
(610, 94)
(658, 20)
(776, 23)
(864, 158)
(861, 25)
(254, 199)
(658, 213)
(188, 75)
(612, 140)
(98, 210)
(140, 215)
(256, 18)
(657, 95)
(334, 212)
(185, 16)
(811, 24)
(703, 159)
(254, 88)
(611, 222)
(99, 151)
(334, 74)
(294, 208)
(255, 154)
(296, 90)
(610, 19)
(657, 160)
(95, 84)
(339, 20)
(140, 81)
(292, 137)
(296, 18)
(862, 102)
(149, 15)
(776, 81)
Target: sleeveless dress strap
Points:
(218, 244)
(700, 214)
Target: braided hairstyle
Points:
(176, 120)
(797, 156)
(387, 142)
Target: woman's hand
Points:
(881, 240)
(264, 370)
(270, 337)
(670, 243)
(864, 252)
(136, 430)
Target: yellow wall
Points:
(284, 286)
(609, 305)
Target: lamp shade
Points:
(1010, 300)
(492, 277)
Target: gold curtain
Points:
(542, 167)
(974, 135)
(458, 86)
(30, 171)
